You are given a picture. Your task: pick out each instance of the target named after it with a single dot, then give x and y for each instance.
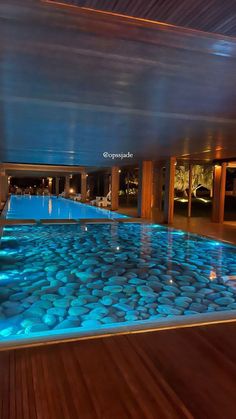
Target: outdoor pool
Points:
(46, 207)
(84, 278)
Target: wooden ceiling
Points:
(217, 16)
(76, 83)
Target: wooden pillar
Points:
(57, 185)
(190, 187)
(219, 183)
(157, 187)
(3, 187)
(67, 186)
(115, 184)
(83, 187)
(145, 191)
(169, 190)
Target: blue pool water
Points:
(46, 207)
(71, 277)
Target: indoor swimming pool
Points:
(51, 207)
(62, 278)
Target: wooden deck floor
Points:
(182, 373)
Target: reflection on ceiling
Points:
(206, 15)
(74, 85)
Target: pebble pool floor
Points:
(59, 277)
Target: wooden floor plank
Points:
(105, 383)
(182, 373)
(202, 377)
(12, 386)
(157, 393)
(27, 390)
(4, 385)
(77, 387)
(227, 345)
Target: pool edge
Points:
(206, 319)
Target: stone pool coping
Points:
(73, 334)
(16, 221)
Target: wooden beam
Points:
(83, 187)
(145, 196)
(169, 190)
(219, 183)
(45, 168)
(115, 184)
(190, 187)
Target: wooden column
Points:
(145, 192)
(190, 187)
(83, 187)
(219, 183)
(157, 187)
(169, 190)
(67, 186)
(57, 185)
(115, 184)
(3, 187)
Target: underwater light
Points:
(7, 253)
(178, 233)
(4, 277)
(5, 238)
(118, 248)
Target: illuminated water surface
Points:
(71, 277)
(46, 207)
